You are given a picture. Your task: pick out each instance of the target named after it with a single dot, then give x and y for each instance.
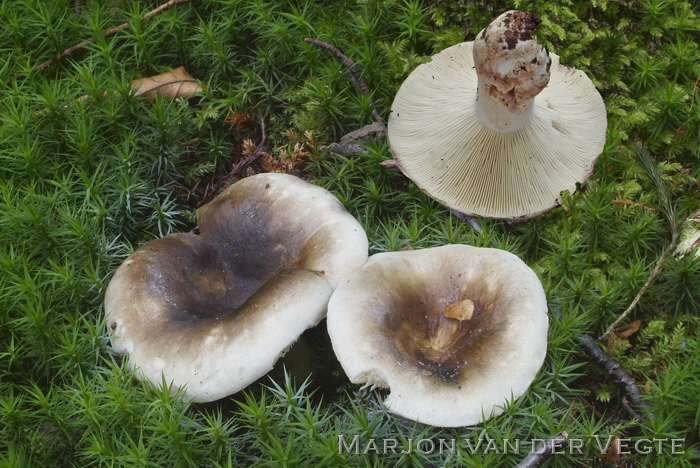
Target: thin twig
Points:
(110, 32)
(352, 143)
(631, 203)
(350, 65)
(655, 272)
(544, 451)
(667, 208)
(692, 95)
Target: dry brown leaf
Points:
(619, 338)
(239, 119)
(629, 329)
(174, 84)
(612, 454)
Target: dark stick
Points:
(544, 451)
(350, 65)
(242, 165)
(110, 32)
(622, 378)
(470, 221)
(466, 219)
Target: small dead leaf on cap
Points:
(174, 84)
(459, 310)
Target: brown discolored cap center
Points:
(446, 338)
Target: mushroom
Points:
(213, 312)
(497, 127)
(689, 241)
(454, 331)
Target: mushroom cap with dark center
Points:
(454, 332)
(213, 312)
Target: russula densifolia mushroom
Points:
(498, 127)
(454, 332)
(213, 312)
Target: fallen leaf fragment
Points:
(619, 338)
(611, 452)
(174, 84)
(628, 330)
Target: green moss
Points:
(85, 181)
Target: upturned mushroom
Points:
(497, 127)
(213, 312)
(454, 332)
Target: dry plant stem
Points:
(354, 72)
(630, 203)
(655, 272)
(544, 451)
(622, 378)
(695, 88)
(107, 33)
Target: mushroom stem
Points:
(512, 68)
(496, 116)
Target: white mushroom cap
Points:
(213, 312)
(479, 145)
(454, 332)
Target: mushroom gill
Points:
(497, 127)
